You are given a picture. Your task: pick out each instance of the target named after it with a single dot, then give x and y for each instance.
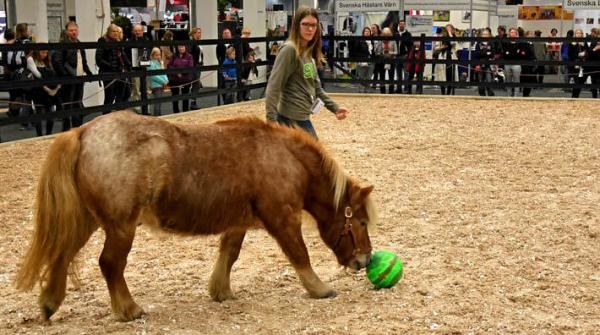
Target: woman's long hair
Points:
(22, 31)
(313, 47)
(37, 57)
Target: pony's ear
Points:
(360, 194)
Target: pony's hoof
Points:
(47, 312)
(131, 313)
(329, 293)
(221, 295)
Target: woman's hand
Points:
(341, 113)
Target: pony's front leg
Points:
(219, 286)
(112, 263)
(290, 240)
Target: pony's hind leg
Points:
(53, 291)
(112, 263)
(219, 286)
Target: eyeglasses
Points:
(307, 25)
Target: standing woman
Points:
(112, 60)
(594, 56)
(513, 50)
(181, 82)
(198, 58)
(363, 49)
(17, 60)
(387, 51)
(167, 50)
(578, 51)
(45, 96)
(378, 71)
(448, 49)
(484, 50)
(294, 90)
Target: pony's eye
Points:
(363, 223)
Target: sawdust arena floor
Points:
(493, 205)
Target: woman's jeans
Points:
(305, 125)
(157, 92)
(513, 75)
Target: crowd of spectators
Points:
(393, 64)
(387, 66)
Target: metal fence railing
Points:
(335, 59)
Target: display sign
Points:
(366, 6)
(481, 5)
(581, 4)
(544, 13)
(56, 18)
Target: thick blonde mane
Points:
(339, 179)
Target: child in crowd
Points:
(158, 82)
(248, 69)
(230, 75)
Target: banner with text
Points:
(581, 4)
(479, 5)
(366, 6)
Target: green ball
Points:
(385, 269)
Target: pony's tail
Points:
(59, 214)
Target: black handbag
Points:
(22, 74)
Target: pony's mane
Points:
(331, 167)
(336, 174)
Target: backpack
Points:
(17, 59)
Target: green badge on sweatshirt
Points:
(309, 71)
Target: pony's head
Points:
(344, 222)
(348, 235)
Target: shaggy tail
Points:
(59, 214)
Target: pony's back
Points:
(191, 178)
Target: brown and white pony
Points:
(122, 169)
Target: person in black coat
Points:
(404, 49)
(249, 57)
(198, 56)
(528, 71)
(71, 63)
(113, 59)
(485, 50)
(514, 50)
(13, 106)
(594, 56)
(44, 96)
(363, 48)
(578, 51)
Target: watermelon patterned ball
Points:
(385, 269)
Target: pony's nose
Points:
(363, 260)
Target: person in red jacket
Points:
(415, 66)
